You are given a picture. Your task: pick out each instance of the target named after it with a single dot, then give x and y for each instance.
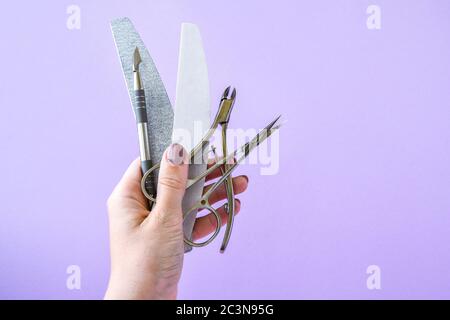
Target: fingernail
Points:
(175, 154)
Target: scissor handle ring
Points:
(204, 205)
(144, 179)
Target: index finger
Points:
(129, 186)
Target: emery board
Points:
(192, 113)
(159, 109)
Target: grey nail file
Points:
(159, 109)
(192, 112)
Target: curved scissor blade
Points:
(159, 109)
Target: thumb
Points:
(172, 181)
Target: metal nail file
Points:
(192, 111)
(159, 109)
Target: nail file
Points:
(192, 111)
(159, 109)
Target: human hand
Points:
(147, 248)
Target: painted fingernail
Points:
(175, 154)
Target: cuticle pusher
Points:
(142, 125)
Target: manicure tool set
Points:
(159, 125)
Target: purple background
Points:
(365, 156)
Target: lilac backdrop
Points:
(365, 156)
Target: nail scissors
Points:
(227, 165)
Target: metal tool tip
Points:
(136, 59)
(225, 93)
(278, 122)
(233, 94)
(274, 123)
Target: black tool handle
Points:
(140, 105)
(141, 119)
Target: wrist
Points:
(123, 289)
